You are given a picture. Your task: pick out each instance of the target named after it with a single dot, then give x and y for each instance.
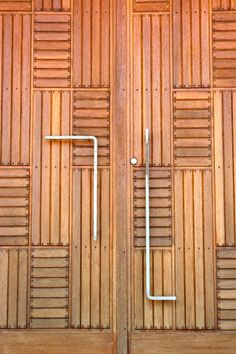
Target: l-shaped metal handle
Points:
(95, 170)
(148, 272)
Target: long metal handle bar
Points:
(95, 170)
(148, 271)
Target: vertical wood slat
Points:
(194, 249)
(90, 260)
(191, 50)
(153, 314)
(225, 135)
(228, 5)
(52, 5)
(15, 37)
(92, 43)
(151, 88)
(14, 279)
(51, 165)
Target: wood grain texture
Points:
(10, 5)
(194, 249)
(52, 50)
(13, 290)
(15, 39)
(14, 206)
(50, 169)
(225, 135)
(191, 43)
(91, 267)
(151, 5)
(160, 207)
(192, 128)
(52, 5)
(224, 49)
(91, 116)
(151, 88)
(224, 5)
(92, 43)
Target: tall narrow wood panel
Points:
(151, 88)
(52, 5)
(151, 5)
(191, 43)
(194, 249)
(91, 260)
(15, 38)
(91, 43)
(51, 169)
(14, 206)
(153, 314)
(225, 135)
(13, 289)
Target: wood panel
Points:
(150, 5)
(13, 290)
(91, 43)
(192, 128)
(52, 5)
(18, 5)
(50, 169)
(224, 5)
(15, 38)
(49, 293)
(151, 88)
(91, 269)
(52, 50)
(153, 314)
(160, 207)
(226, 288)
(224, 49)
(91, 116)
(14, 206)
(225, 135)
(194, 249)
(191, 43)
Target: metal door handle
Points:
(95, 170)
(147, 214)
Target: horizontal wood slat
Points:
(12, 5)
(151, 5)
(194, 249)
(91, 268)
(50, 169)
(153, 314)
(13, 289)
(191, 43)
(15, 38)
(151, 88)
(14, 206)
(49, 291)
(192, 128)
(52, 5)
(226, 288)
(91, 116)
(91, 43)
(52, 41)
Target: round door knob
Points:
(133, 161)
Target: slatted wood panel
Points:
(194, 249)
(15, 39)
(49, 293)
(14, 206)
(192, 128)
(91, 43)
(224, 5)
(153, 314)
(225, 135)
(50, 169)
(160, 207)
(13, 289)
(226, 288)
(52, 50)
(91, 116)
(151, 88)
(15, 5)
(224, 49)
(150, 5)
(52, 5)
(91, 267)
(191, 43)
